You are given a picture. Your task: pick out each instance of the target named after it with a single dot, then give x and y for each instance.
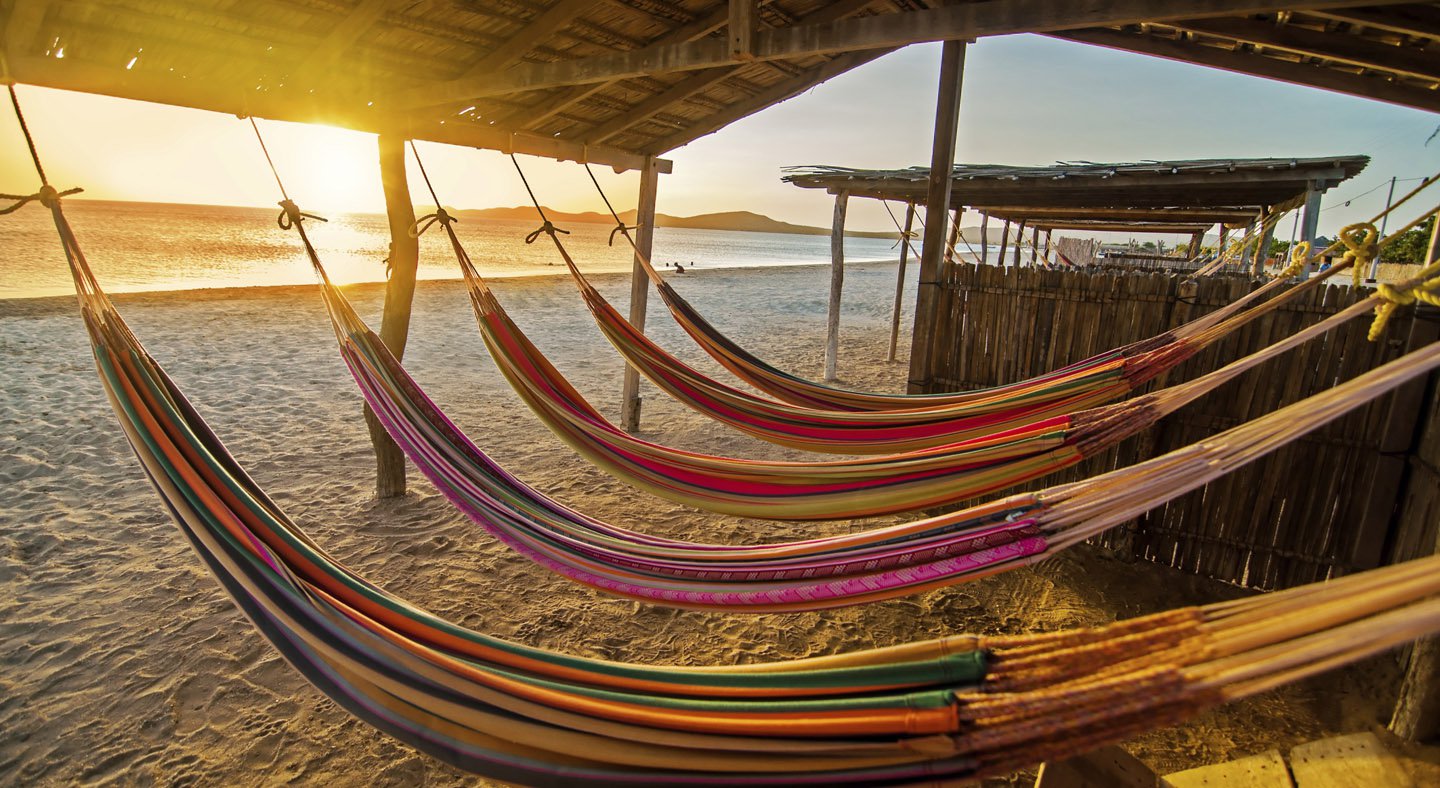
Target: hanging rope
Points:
(548, 228)
(419, 226)
(620, 226)
(47, 195)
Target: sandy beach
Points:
(121, 661)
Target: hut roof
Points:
(614, 81)
(1087, 195)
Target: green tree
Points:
(1410, 246)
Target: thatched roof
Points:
(614, 81)
(1171, 195)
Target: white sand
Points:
(122, 661)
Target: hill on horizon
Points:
(740, 221)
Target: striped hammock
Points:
(947, 709)
(1103, 378)
(1137, 357)
(821, 490)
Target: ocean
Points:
(155, 246)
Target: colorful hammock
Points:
(810, 394)
(834, 489)
(1103, 378)
(952, 708)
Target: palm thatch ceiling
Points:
(615, 81)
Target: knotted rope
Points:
(419, 226)
(620, 227)
(47, 195)
(1299, 256)
(548, 228)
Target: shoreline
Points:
(22, 306)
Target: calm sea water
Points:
(149, 246)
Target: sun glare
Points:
(333, 170)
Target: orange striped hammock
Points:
(946, 419)
(953, 708)
(833, 489)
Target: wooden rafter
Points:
(1344, 48)
(344, 35)
(881, 31)
(548, 22)
(1370, 86)
(1408, 20)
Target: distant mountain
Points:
(741, 221)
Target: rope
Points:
(419, 226)
(29, 140)
(548, 228)
(619, 223)
(47, 195)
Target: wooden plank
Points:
(1107, 767)
(1344, 761)
(964, 22)
(1348, 49)
(741, 29)
(548, 22)
(837, 282)
(1371, 86)
(639, 289)
(344, 35)
(1266, 770)
(942, 159)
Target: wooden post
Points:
(1196, 241)
(1004, 236)
(950, 252)
(984, 238)
(1019, 239)
(1262, 249)
(399, 295)
(1034, 245)
(639, 287)
(1224, 239)
(1048, 244)
(1310, 224)
(837, 281)
(900, 281)
(937, 200)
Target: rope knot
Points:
(424, 222)
(47, 196)
(620, 228)
(1299, 256)
(547, 228)
(1392, 297)
(1362, 243)
(291, 215)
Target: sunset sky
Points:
(1027, 100)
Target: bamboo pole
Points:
(900, 281)
(399, 295)
(937, 199)
(837, 282)
(639, 287)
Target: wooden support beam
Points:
(772, 95)
(344, 35)
(1197, 240)
(1310, 224)
(1262, 248)
(1363, 85)
(741, 29)
(1019, 239)
(1335, 47)
(547, 23)
(950, 251)
(984, 238)
(640, 287)
(700, 81)
(554, 105)
(1004, 238)
(1406, 20)
(1123, 227)
(403, 261)
(345, 111)
(837, 281)
(1167, 215)
(965, 21)
(942, 162)
(900, 281)
(1034, 245)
